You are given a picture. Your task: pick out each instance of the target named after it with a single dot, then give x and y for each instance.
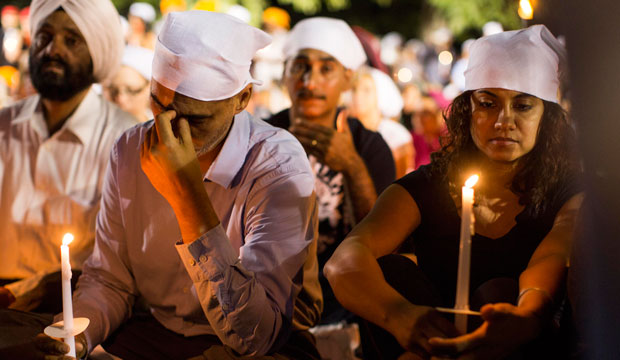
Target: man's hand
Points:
(505, 328)
(335, 148)
(168, 161)
(173, 169)
(43, 347)
(6, 297)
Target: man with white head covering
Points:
(352, 164)
(55, 147)
(208, 214)
(141, 17)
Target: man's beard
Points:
(57, 87)
(214, 140)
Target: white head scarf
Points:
(332, 36)
(525, 60)
(98, 22)
(206, 55)
(139, 59)
(144, 11)
(389, 98)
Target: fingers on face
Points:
(163, 125)
(185, 132)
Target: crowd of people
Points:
(283, 192)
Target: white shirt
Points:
(50, 185)
(245, 280)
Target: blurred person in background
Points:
(56, 148)
(351, 163)
(270, 97)
(10, 41)
(24, 25)
(412, 98)
(377, 103)
(129, 87)
(141, 17)
(457, 74)
(428, 125)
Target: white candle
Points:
(467, 229)
(67, 304)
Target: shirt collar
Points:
(232, 156)
(80, 123)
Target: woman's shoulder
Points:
(425, 175)
(425, 184)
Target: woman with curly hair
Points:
(509, 128)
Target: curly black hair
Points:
(553, 158)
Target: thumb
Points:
(342, 125)
(492, 312)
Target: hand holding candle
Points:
(68, 327)
(467, 229)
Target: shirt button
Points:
(203, 258)
(186, 289)
(192, 262)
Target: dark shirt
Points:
(436, 240)
(336, 216)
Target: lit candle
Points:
(467, 229)
(67, 305)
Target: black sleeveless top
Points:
(436, 240)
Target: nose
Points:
(310, 78)
(505, 119)
(54, 47)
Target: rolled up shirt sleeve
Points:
(248, 296)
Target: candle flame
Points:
(525, 10)
(67, 239)
(471, 181)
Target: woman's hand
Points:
(417, 325)
(505, 328)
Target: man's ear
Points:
(243, 98)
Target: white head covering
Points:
(139, 59)
(389, 98)
(206, 55)
(144, 11)
(492, 28)
(240, 12)
(524, 60)
(98, 22)
(332, 36)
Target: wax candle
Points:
(67, 304)
(467, 229)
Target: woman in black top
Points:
(509, 129)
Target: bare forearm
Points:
(361, 187)
(359, 285)
(545, 278)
